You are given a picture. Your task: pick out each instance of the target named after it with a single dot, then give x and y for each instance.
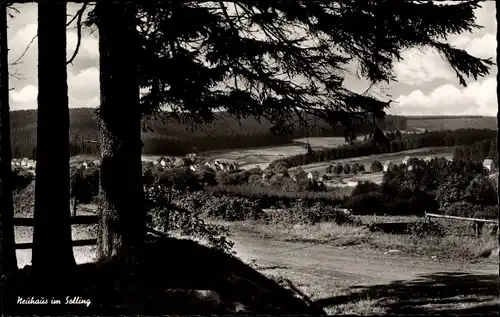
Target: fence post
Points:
(73, 209)
(167, 211)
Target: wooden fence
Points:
(80, 220)
(478, 223)
(75, 220)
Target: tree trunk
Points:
(52, 250)
(8, 261)
(122, 224)
(497, 8)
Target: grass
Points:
(452, 247)
(444, 293)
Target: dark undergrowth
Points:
(168, 276)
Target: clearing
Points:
(396, 158)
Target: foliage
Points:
(232, 178)
(347, 169)
(185, 221)
(376, 167)
(303, 213)
(415, 141)
(269, 197)
(21, 179)
(365, 187)
(423, 228)
(84, 183)
(478, 151)
(338, 168)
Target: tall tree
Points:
(281, 60)
(8, 261)
(122, 217)
(52, 250)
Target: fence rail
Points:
(477, 222)
(428, 215)
(75, 220)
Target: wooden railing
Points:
(478, 223)
(75, 220)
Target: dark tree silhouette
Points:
(122, 217)
(52, 250)
(8, 262)
(498, 93)
(279, 60)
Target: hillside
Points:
(451, 122)
(176, 137)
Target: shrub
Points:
(355, 168)
(338, 169)
(21, 179)
(423, 228)
(347, 169)
(329, 169)
(361, 168)
(365, 187)
(167, 217)
(232, 178)
(366, 204)
(376, 167)
(303, 213)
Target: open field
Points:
(452, 123)
(394, 157)
(325, 142)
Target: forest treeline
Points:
(408, 142)
(174, 137)
(477, 151)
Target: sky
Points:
(425, 85)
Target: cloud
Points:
(83, 73)
(26, 96)
(479, 98)
(420, 66)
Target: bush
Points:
(361, 168)
(365, 187)
(84, 183)
(347, 169)
(338, 169)
(367, 204)
(423, 228)
(376, 167)
(21, 179)
(329, 169)
(303, 213)
(355, 168)
(168, 218)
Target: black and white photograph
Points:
(267, 157)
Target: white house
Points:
(387, 165)
(310, 176)
(406, 160)
(352, 183)
(31, 164)
(489, 164)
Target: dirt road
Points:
(359, 266)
